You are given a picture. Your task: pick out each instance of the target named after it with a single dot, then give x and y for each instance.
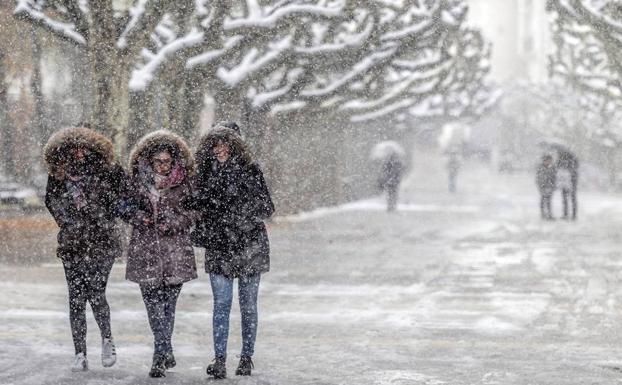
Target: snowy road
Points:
(472, 289)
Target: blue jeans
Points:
(160, 301)
(222, 290)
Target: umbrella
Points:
(563, 152)
(384, 150)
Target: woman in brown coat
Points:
(160, 256)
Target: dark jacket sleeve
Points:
(122, 193)
(55, 204)
(259, 204)
(199, 197)
(129, 207)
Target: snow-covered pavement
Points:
(465, 289)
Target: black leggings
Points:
(86, 280)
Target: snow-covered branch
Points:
(143, 76)
(64, 30)
(257, 20)
(588, 43)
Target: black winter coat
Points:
(89, 231)
(546, 179)
(233, 201)
(391, 173)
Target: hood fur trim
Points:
(58, 145)
(149, 141)
(204, 155)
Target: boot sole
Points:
(109, 363)
(157, 374)
(242, 373)
(217, 376)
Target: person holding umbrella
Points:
(391, 157)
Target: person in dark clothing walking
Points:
(233, 202)
(82, 192)
(545, 180)
(160, 256)
(390, 178)
(453, 166)
(568, 174)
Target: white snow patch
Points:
(377, 204)
(543, 259)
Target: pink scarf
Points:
(175, 178)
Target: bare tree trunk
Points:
(110, 75)
(191, 104)
(39, 130)
(6, 128)
(100, 50)
(140, 120)
(82, 84)
(120, 107)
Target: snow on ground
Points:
(469, 288)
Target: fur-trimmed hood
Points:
(56, 150)
(146, 144)
(240, 150)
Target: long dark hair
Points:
(239, 149)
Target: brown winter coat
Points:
(159, 253)
(86, 220)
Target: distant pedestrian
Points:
(390, 178)
(160, 256)
(83, 189)
(233, 202)
(545, 180)
(453, 166)
(567, 180)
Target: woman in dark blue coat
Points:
(233, 202)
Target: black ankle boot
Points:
(169, 361)
(217, 369)
(245, 366)
(158, 367)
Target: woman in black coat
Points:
(233, 201)
(82, 193)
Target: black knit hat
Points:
(230, 125)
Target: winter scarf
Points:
(76, 186)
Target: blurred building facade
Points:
(520, 34)
(519, 31)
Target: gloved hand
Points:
(141, 220)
